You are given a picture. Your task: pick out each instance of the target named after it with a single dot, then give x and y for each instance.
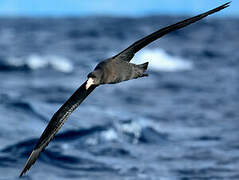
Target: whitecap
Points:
(35, 62)
(132, 128)
(110, 135)
(159, 60)
(92, 141)
(61, 64)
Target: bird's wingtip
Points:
(31, 160)
(25, 169)
(227, 4)
(23, 172)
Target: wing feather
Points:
(129, 52)
(56, 122)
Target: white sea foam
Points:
(159, 60)
(37, 62)
(110, 135)
(132, 128)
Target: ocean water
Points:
(180, 123)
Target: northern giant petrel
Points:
(110, 71)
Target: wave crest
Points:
(34, 62)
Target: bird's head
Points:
(94, 78)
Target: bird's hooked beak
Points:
(89, 82)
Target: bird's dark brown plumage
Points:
(110, 71)
(129, 52)
(56, 122)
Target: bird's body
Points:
(117, 70)
(109, 71)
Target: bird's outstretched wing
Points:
(129, 52)
(57, 120)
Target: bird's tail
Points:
(143, 67)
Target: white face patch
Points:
(89, 82)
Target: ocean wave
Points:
(159, 60)
(128, 131)
(54, 156)
(25, 107)
(23, 148)
(141, 131)
(34, 62)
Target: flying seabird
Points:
(110, 71)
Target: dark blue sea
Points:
(180, 123)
